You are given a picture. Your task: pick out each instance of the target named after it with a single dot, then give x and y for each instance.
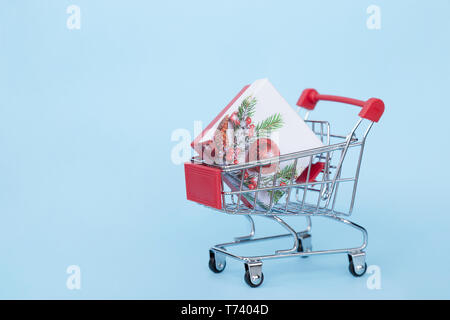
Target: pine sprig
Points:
(286, 172)
(247, 108)
(277, 195)
(285, 176)
(271, 123)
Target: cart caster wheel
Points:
(249, 281)
(304, 243)
(357, 265)
(360, 271)
(253, 274)
(216, 264)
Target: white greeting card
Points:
(257, 124)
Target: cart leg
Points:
(309, 227)
(253, 273)
(356, 226)
(252, 231)
(292, 231)
(357, 263)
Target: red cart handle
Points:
(372, 109)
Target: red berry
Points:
(246, 175)
(282, 184)
(235, 161)
(253, 181)
(252, 126)
(251, 186)
(234, 118)
(248, 121)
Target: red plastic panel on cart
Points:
(203, 184)
(316, 168)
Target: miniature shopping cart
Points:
(314, 193)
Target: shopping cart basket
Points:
(313, 193)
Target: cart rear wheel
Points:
(304, 244)
(253, 283)
(214, 266)
(300, 248)
(357, 272)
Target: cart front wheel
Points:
(253, 282)
(357, 270)
(216, 265)
(253, 274)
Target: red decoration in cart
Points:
(262, 149)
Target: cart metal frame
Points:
(316, 198)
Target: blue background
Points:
(86, 118)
